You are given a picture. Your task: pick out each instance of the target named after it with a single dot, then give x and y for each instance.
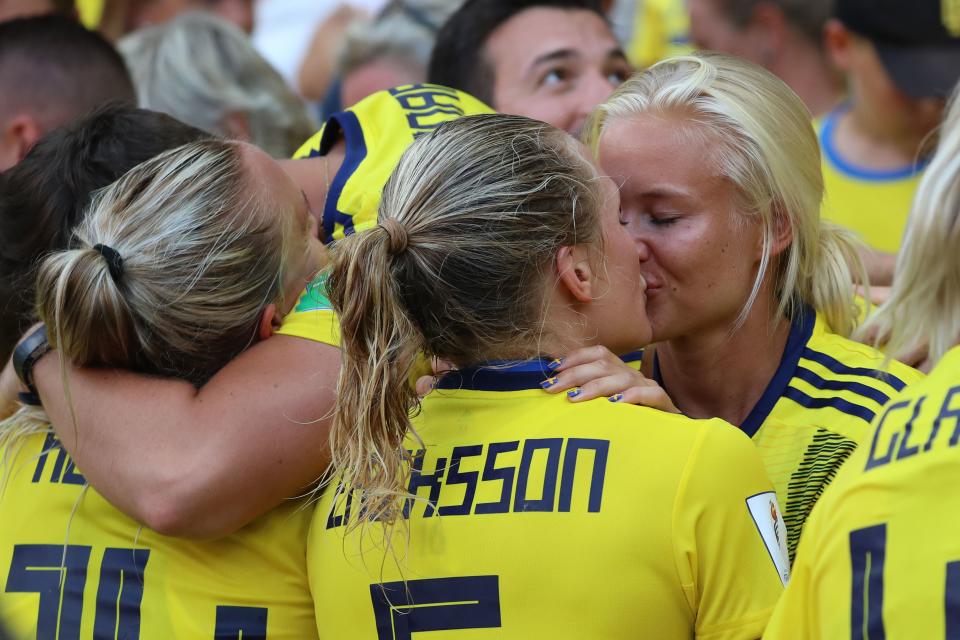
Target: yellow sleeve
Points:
(313, 318)
(729, 539)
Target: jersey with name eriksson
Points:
(881, 555)
(542, 518)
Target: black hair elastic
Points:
(114, 261)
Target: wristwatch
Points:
(30, 349)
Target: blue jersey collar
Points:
(507, 375)
(848, 168)
(801, 329)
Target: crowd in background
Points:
(265, 265)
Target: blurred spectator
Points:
(553, 60)
(44, 197)
(661, 29)
(901, 60)
(785, 36)
(143, 13)
(392, 49)
(10, 9)
(204, 71)
(52, 71)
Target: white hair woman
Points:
(750, 293)
(880, 557)
(177, 267)
(204, 71)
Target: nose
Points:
(643, 248)
(596, 88)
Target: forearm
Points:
(200, 463)
(9, 387)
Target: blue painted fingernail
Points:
(549, 382)
(573, 393)
(553, 365)
(617, 397)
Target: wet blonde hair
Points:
(202, 255)
(924, 302)
(759, 136)
(201, 69)
(470, 223)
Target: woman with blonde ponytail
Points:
(880, 556)
(750, 293)
(176, 268)
(489, 507)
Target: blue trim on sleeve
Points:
(863, 390)
(860, 173)
(838, 367)
(349, 124)
(839, 404)
(800, 331)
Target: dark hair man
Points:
(52, 71)
(553, 60)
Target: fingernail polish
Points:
(553, 365)
(573, 393)
(617, 397)
(549, 382)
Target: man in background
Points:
(52, 71)
(553, 60)
(785, 36)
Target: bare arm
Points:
(200, 463)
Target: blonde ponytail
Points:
(172, 267)
(379, 345)
(470, 223)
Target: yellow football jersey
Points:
(816, 410)
(542, 518)
(881, 555)
(376, 131)
(72, 566)
(661, 30)
(874, 204)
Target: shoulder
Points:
(843, 357)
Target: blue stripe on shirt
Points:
(839, 404)
(838, 367)
(858, 388)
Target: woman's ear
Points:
(574, 272)
(782, 231)
(270, 321)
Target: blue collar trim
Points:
(860, 173)
(508, 375)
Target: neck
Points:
(805, 70)
(718, 375)
(868, 142)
